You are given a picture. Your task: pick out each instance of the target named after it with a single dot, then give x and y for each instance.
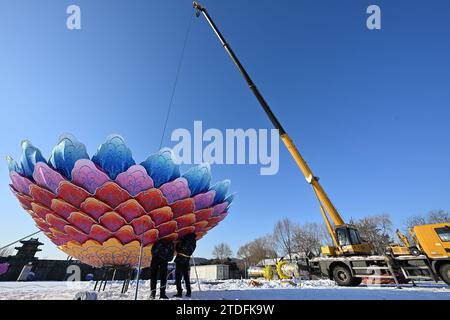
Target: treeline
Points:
(290, 239)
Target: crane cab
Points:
(350, 243)
(434, 239)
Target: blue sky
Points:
(368, 109)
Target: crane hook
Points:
(198, 7)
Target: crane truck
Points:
(350, 258)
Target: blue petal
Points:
(230, 199)
(66, 153)
(13, 166)
(221, 189)
(113, 156)
(30, 156)
(198, 178)
(161, 167)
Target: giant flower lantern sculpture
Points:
(101, 210)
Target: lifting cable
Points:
(175, 83)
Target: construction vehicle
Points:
(350, 258)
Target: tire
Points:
(444, 272)
(415, 251)
(343, 277)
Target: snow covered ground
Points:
(230, 290)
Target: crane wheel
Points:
(444, 272)
(343, 277)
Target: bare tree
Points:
(310, 237)
(5, 252)
(283, 235)
(257, 250)
(434, 216)
(222, 251)
(415, 221)
(377, 230)
(438, 216)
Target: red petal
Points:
(161, 215)
(150, 236)
(204, 214)
(142, 224)
(56, 222)
(41, 224)
(126, 234)
(100, 233)
(112, 194)
(185, 221)
(71, 193)
(40, 210)
(167, 228)
(62, 208)
(130, 210)
(76, 234)
(112, 221)
(94, 207)
(170, 237)
(185, 231)
(200, 226)
(59, 237)
(215, 220)
(82, 221)
(182, 207)
(41, 195)
(25, 201)
(151, 199)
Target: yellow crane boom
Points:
(346, 239)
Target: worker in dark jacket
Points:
(184, 248)
(162, 253)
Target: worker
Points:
(162, 254)
(184, 248)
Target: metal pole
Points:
(30, 235)
(245, 269)
(139, 270)
(196, 274)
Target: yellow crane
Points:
(350, 258)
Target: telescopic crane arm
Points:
(325, 203)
